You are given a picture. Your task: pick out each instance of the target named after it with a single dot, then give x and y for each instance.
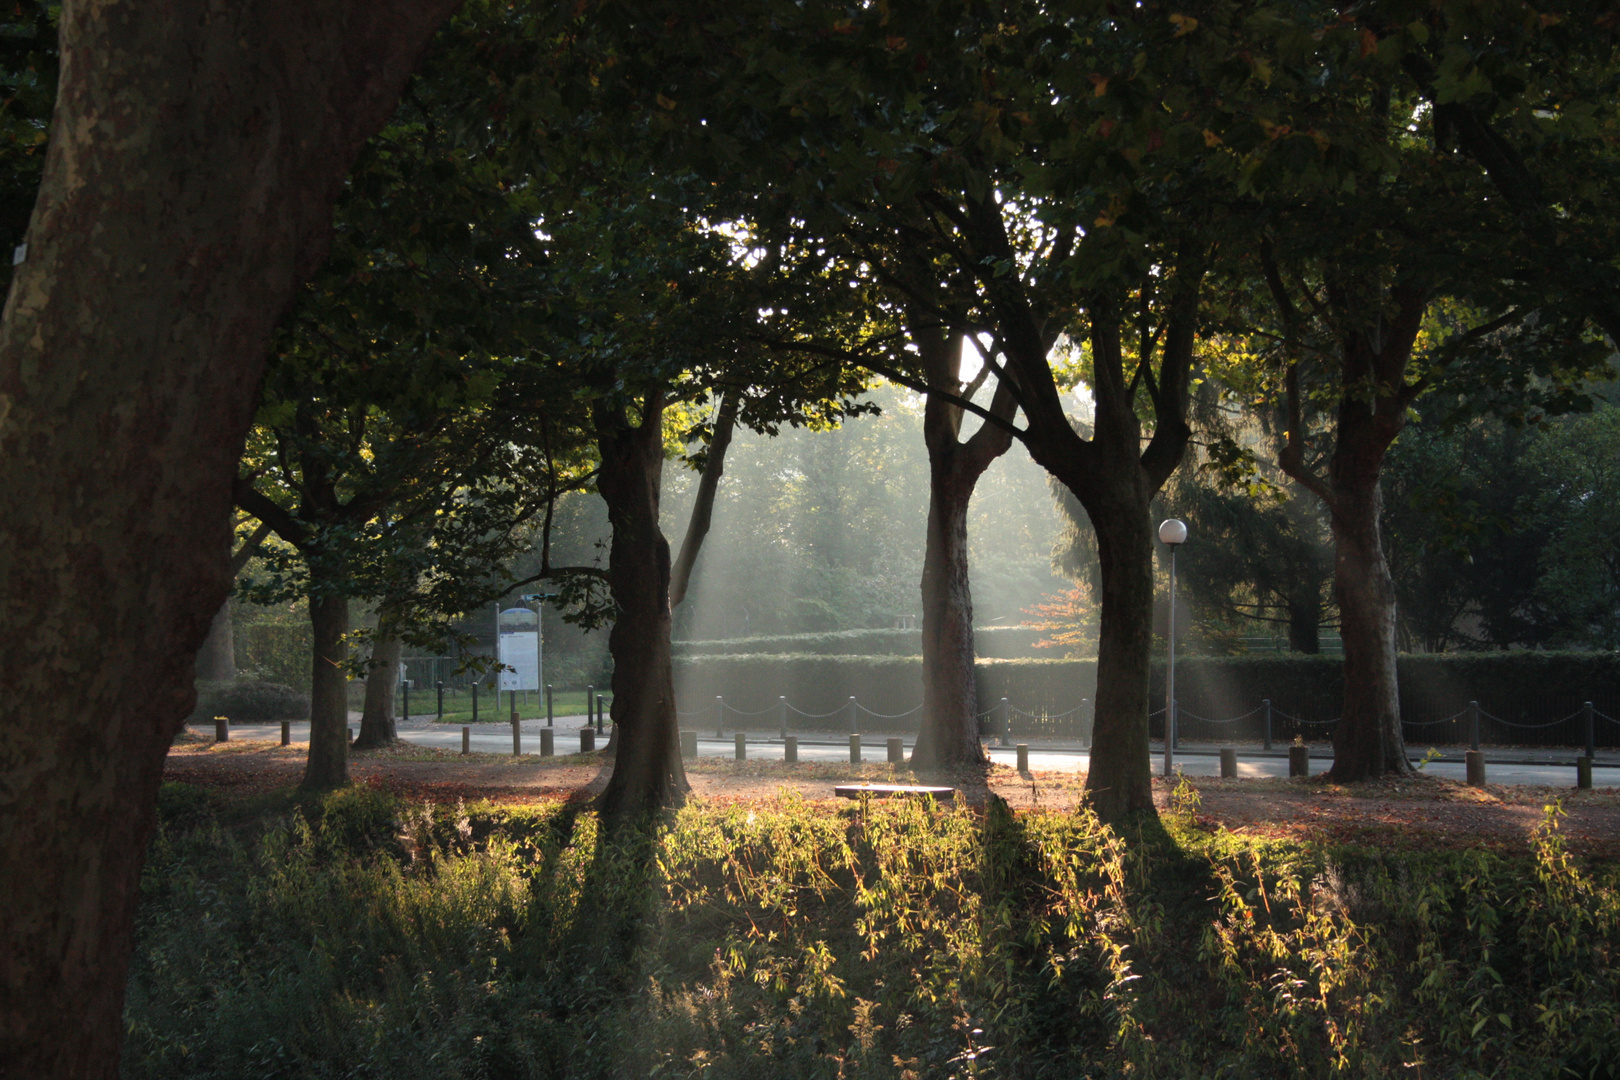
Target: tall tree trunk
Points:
(328, 765)
(1367, 742)
(647, 769)
(377, 724)
(194, 155)
(949, 735)
(1305, 624)
(216, 660)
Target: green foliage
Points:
(364, 937)
(247, 700)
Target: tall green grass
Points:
(366, 937)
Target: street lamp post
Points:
(1172, 533)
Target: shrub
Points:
(249, 701)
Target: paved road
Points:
(497, 739)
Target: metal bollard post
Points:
(854, 721)
(1583, 773)
(475, 702)
(548, 742)
(741, 740)
(1474, 763)
(511, 701)
(1022, 749)
(719, 717)
(1006, 724)
(1228, 764)
(1591, 739)
(781, 702)
(466, 739)
(548, 705)
(1265, 707)
(587, 739)
(517, 736)
(590, 704)
(440, 686)
(897, 752)
(790, 750)
(1473, 733)
(286, 733)
(854, 748)
(688, 744)
(405, 688)
(222, 729)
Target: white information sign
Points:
(519, 649)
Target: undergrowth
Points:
(362, 936)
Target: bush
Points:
(249, 701)
(1004, 642)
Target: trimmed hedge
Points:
(1527, 688)
(1001, 642)
(248, 701)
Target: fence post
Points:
(854, 719)
(790, 750)
(286, 733)
(548, 705)
(1022, 751)
(782, 702)
(1006, 724)
(719, 717)
(466, 739)
(440, 686)
(1265, 707)
(1473, 729)
(548, 742)
(1591, 736)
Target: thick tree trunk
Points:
(1367, 742)
(328, 764)
(195, 152)
(377, 724)
(647, 769)
(949, 735)
(216, 660)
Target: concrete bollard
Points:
(1299, 760)
(548, 742)
(790, 750)
(222, 729)
(517, 736)
(286, 733)
(466, 739)
(1583, 773)
(897, 752)
(688, 744)
(351, 734)
(1228, 764)
(1474, 763)
(587, 739)
(1023, 756)
(742, 746)
(854, 747)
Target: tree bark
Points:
(216, 660)
(377, 724)
(195, 152)
(328, 764)
(647, 769)
(949, 735)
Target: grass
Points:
(364, 936)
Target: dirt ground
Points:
(1443, 812)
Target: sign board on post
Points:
(519, 649)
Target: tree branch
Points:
(697, 527)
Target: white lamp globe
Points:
(1173, 531)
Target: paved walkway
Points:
(1504, 765)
